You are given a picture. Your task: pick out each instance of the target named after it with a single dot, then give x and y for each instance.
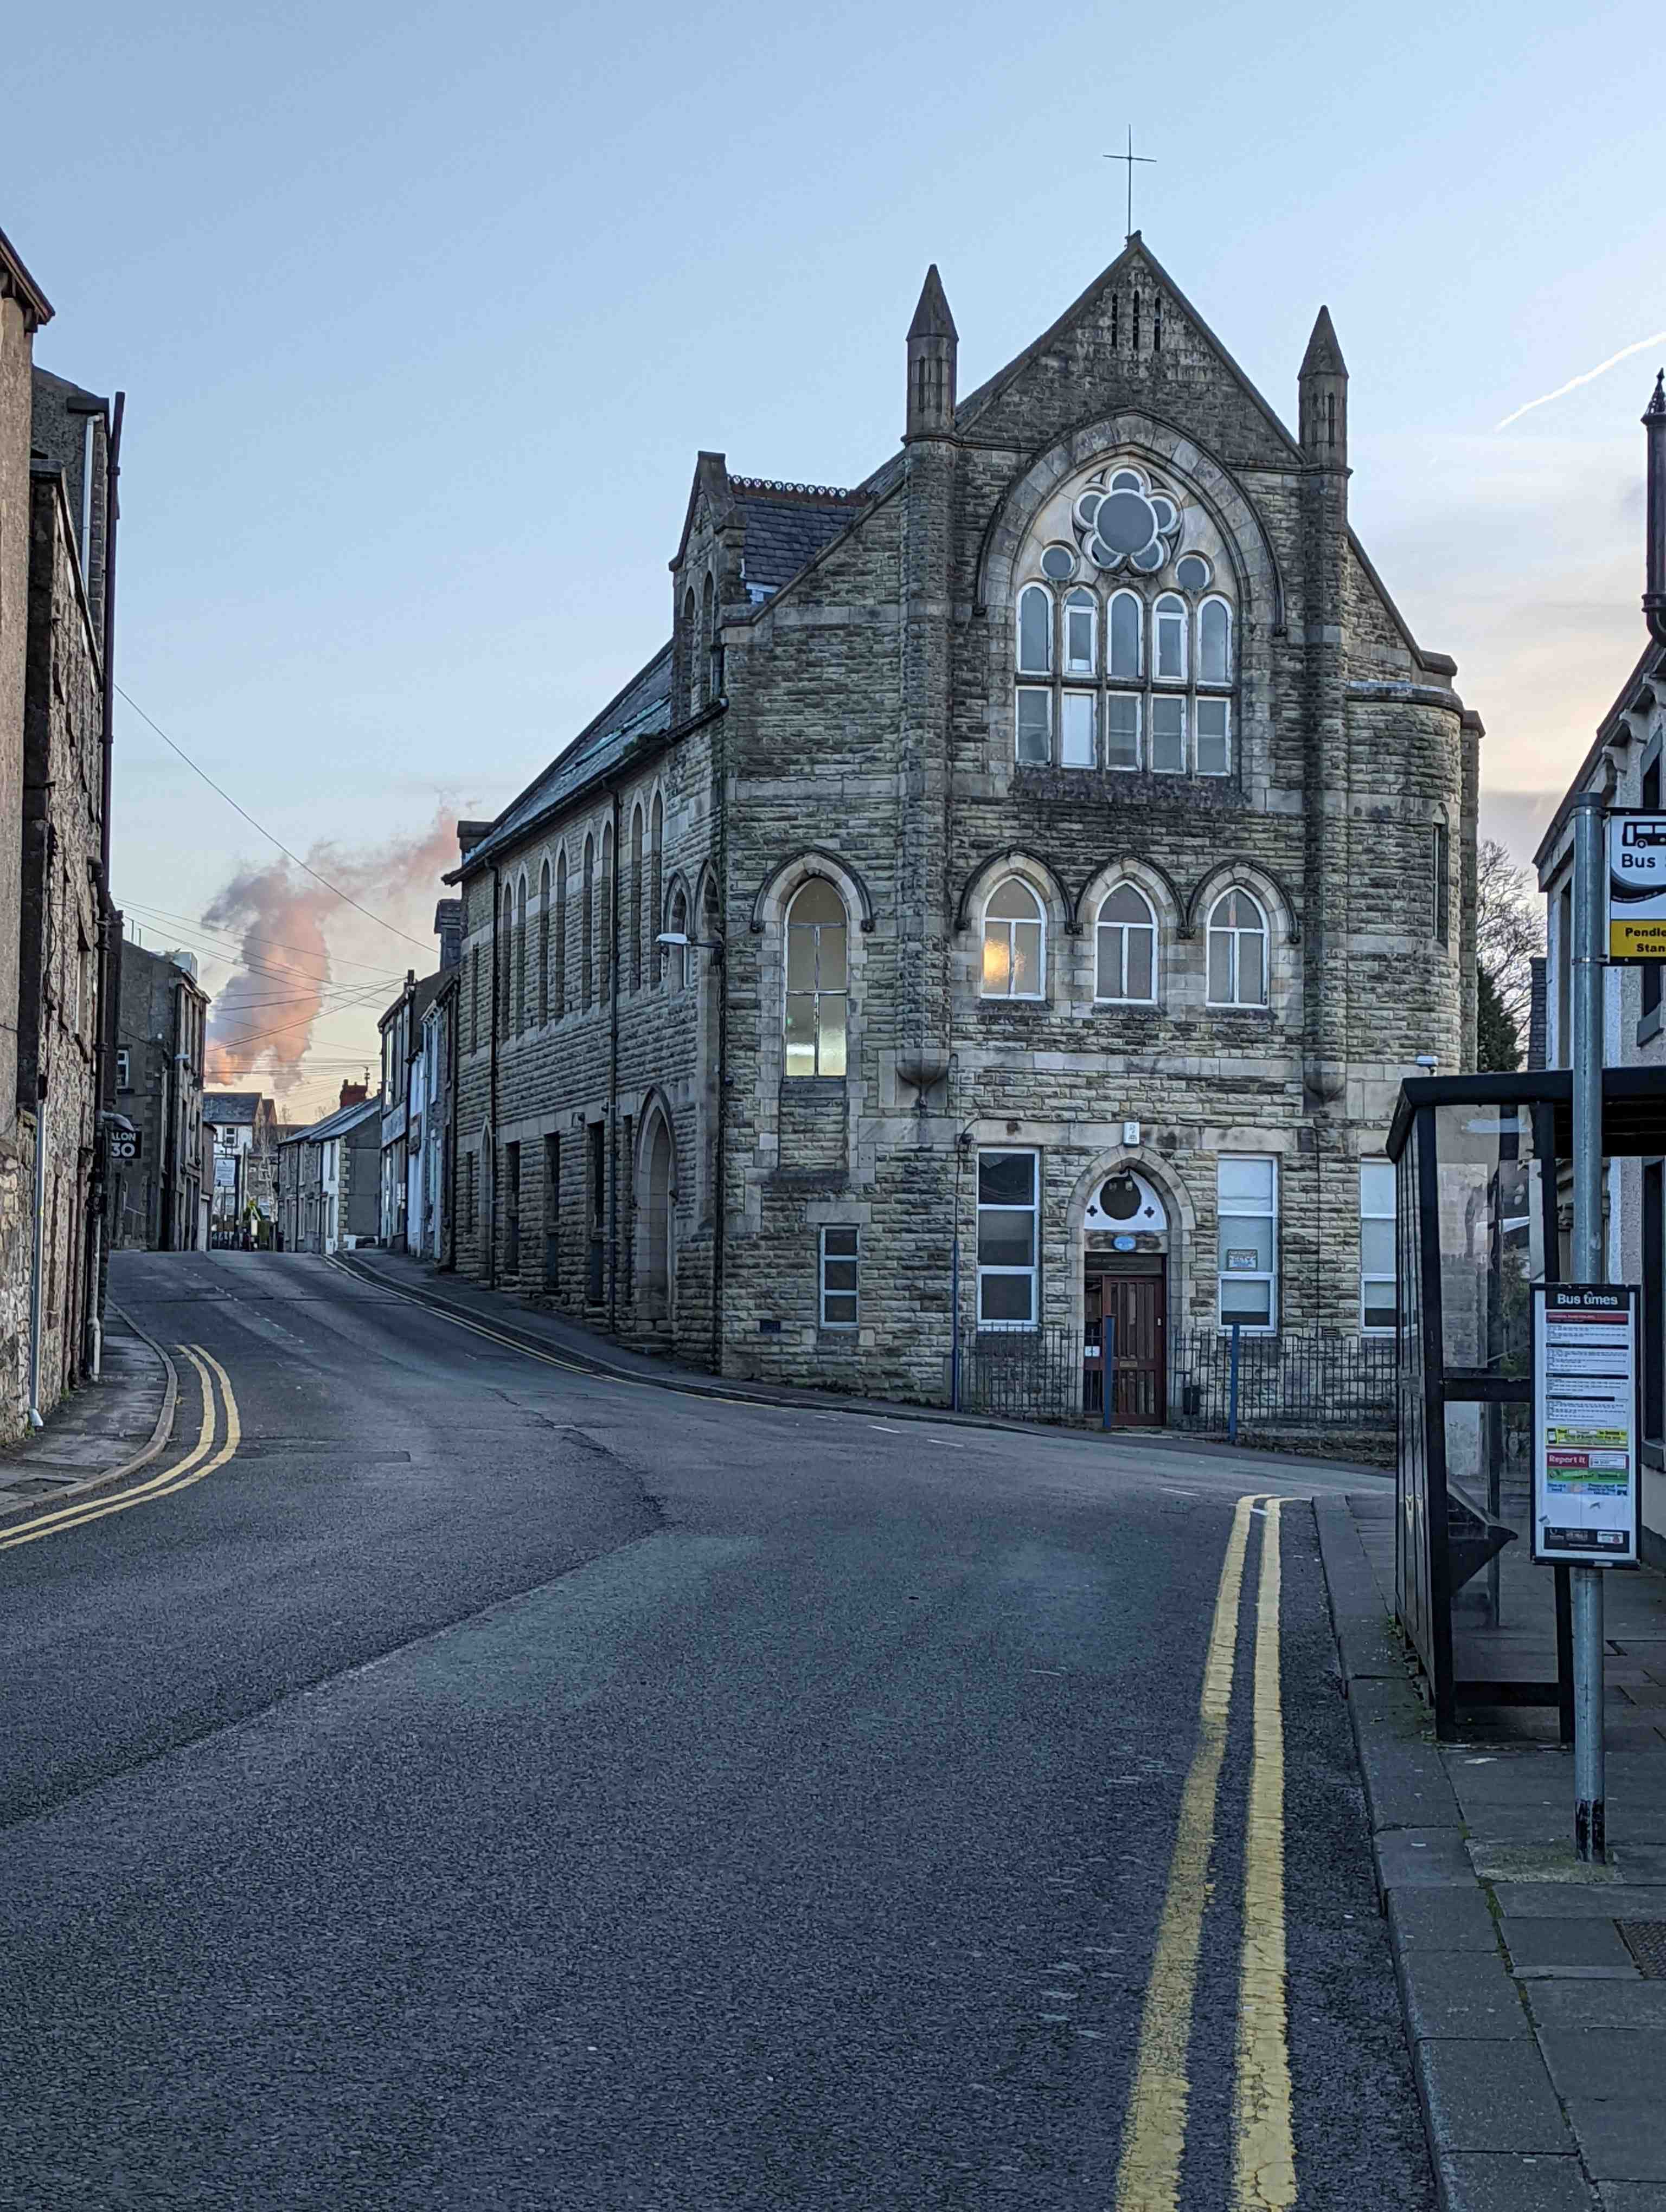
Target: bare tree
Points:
(1509, 928)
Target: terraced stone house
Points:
(1010, 895)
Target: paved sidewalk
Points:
(518, 1317)
(1534, 1989)
(104, 1432)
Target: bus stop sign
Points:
(1637, 886)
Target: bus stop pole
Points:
(1589, 869)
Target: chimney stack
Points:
(353, 1094)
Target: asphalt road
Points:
(491, 1786)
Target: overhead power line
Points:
(239, 938)
(334, 889)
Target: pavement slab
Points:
(1509, 2184)
(1610, 2079)
(1489, 2096)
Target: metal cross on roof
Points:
(1131, 157)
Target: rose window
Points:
(1124, 522)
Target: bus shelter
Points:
(1479, 1163)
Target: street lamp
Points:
(676, 938)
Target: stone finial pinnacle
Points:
(1323, 356)
(1657, 404)
(932, 319)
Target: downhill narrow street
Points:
(445, 1778)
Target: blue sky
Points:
(422, 314)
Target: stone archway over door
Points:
(657, 1222)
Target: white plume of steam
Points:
(263, 1022)
(1589, 376)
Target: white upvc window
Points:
(1078, 713)
(1014, 942)
(1008, 1238)
(1214, 736)
(1214, 642)
(1169, 628)
(841, 1258)
(1378, 1303)
(1035, 631)
(1122, 729)
(1247, 1221)
(1168, 736)
(124, 1069)
(1081, 633)
(1236, 942)
(1125, 949)
(1035, 727)
(1127, 621)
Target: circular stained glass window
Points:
(1059, 562)
(1126, 480)
(1119, 1199)
(1150, 558)
(1193, 574)
(1165, 510)
(1087, 507)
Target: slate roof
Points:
(339, 1124)
(641, 709)
(231, 1108)
(786, 525)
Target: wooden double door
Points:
(1138, 1304)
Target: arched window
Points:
(474, 1003)
(544, 942)
(1214, 642)
(561, 932)
(588, 929)
(1125, 629)
(518, 955)
(1035, 631)
(1126, 947)
(1169, 625)
(679, 926)
(714, 650)
(503, 981)
(1237, 951)
(816, 972)
(656, 905)
(604, 919)
(1081, 642)
(690, 652)
(1014, 942)
(637, 889)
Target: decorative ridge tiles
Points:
(814, 495)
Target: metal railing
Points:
(1023, 1374)
(1223, 1382)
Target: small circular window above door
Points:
(1126, 1200)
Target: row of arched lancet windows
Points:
(1126, 946)
(1122, 683)
(536, 978)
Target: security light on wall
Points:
(1428, 1059)
(676, 938)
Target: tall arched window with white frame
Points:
(637, 889)
(1125, 948)
(1014, 942)
(678, 964)
(656, 887)
(1214, 642)
(587, 928)
(1081, 633)
(1237, 950)
(818, 986)
(1168, 627)
(1035, 631)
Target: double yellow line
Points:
(201, 1459)
(1263, 2137)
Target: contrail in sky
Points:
(1589, 376)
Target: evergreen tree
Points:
(1497, 1044)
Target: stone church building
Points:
(1023, 879)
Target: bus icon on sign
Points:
(1649, 833)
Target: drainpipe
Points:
(108, 958)
(613, 967)
(1654, 596)
(491, 1130)
(35, 1421)
(720, 1148)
